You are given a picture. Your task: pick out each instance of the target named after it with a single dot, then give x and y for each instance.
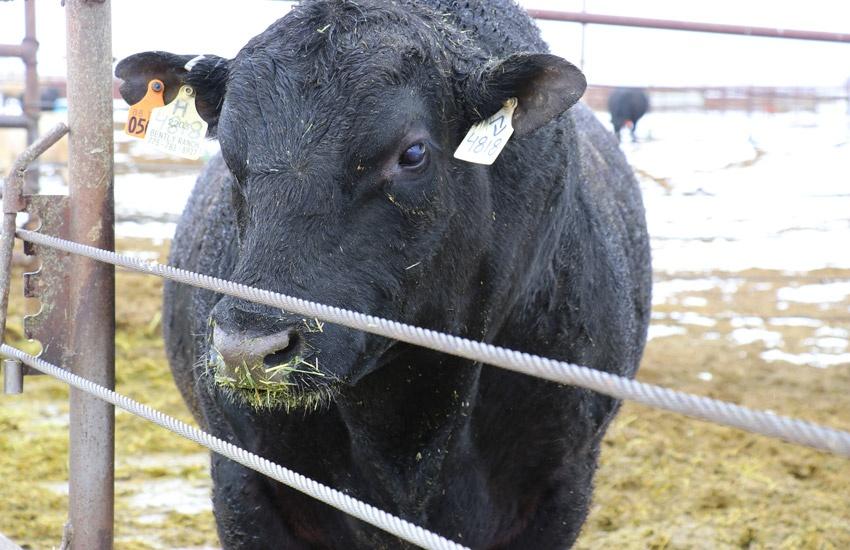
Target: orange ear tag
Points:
(140, 114)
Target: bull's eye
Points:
(414, 156)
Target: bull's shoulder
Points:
(605, 174)
(609, 191)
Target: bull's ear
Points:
(207, 74)
(545, 86)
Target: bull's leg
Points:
(634, 129)
(246, 516)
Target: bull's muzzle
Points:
(255, 361)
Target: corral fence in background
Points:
(712, 98)
(690, 26)
(750, 99)
(76, 326)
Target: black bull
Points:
(337, 184)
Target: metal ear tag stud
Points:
(177, 128)
(139, 114)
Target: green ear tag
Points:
(177, 128)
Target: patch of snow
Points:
(663, 291)
(827, 345)
(744, 336)
(694, 301)
(172, 494)
(151, 460)
(660, 331)
(691, 318)
(820, 360)
(738, 322)
(57, 487)
(833, 331)
(705, 192)
(794, 322)
(815, 294)
(705, 376)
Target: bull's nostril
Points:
(238, 350)
(286, 354)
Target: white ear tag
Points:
(177, 128)
(485, 140)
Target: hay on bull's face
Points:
(290, 386)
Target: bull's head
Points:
(338, 124)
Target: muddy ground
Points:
(666, 481)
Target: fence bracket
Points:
(51, 326)
(46, 282)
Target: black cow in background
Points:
(627, 106)
(337, 184)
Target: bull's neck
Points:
(410, 406)
(539, 229)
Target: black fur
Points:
(545, 251)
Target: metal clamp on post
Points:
(51, 212)
(13, 377)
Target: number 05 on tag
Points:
(485, 140)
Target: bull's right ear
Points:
(207, 74)
(544, 84)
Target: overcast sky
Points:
(613, 55)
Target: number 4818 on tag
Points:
(485, 140)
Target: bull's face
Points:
(338, 124)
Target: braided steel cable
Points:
(359, 509)
(704, 408)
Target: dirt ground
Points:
(665, 481)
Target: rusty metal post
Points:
(32, 97)
(92, 285)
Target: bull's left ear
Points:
(207, 74)
(545, 85)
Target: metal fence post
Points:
(92, 285)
